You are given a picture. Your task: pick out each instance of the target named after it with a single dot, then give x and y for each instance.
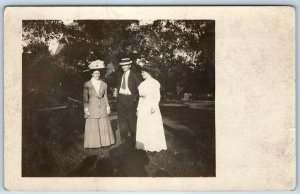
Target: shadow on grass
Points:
(193, 133)
(122, 161)
(52, 146)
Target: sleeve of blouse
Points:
(105, 96)
(139, 105)
(155, 94)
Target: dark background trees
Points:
(55, 53)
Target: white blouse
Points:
(96, 84)
(149, 91)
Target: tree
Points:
(183, 49)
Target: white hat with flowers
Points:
(94, 65)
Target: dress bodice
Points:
(149, 91)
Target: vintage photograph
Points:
(118, 98)
(149, 98)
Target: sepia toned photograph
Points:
(118, 98)
(149, 98)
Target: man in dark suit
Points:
(127, 99)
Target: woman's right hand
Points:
(143, 96)
(86, 113)
(152, 110)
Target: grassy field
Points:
(52, 146)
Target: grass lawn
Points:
(52, 146)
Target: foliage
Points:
(183, 49)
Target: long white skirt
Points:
(150, 135)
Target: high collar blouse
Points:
(96, 84)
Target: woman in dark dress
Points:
(98, 131)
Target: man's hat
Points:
(125, 61)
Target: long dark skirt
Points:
(98, 133)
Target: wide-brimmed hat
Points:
(95, 65)
(125, 61)
(150, 67)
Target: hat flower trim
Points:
(141, 62)
(98, 64)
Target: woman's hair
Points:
(151, 68)
(102, 71)
(154, 74)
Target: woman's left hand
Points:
(108, 110)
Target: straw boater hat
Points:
(95, 65)
(125, 61)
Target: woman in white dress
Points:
(150, 134)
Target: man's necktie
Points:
(124, 82)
